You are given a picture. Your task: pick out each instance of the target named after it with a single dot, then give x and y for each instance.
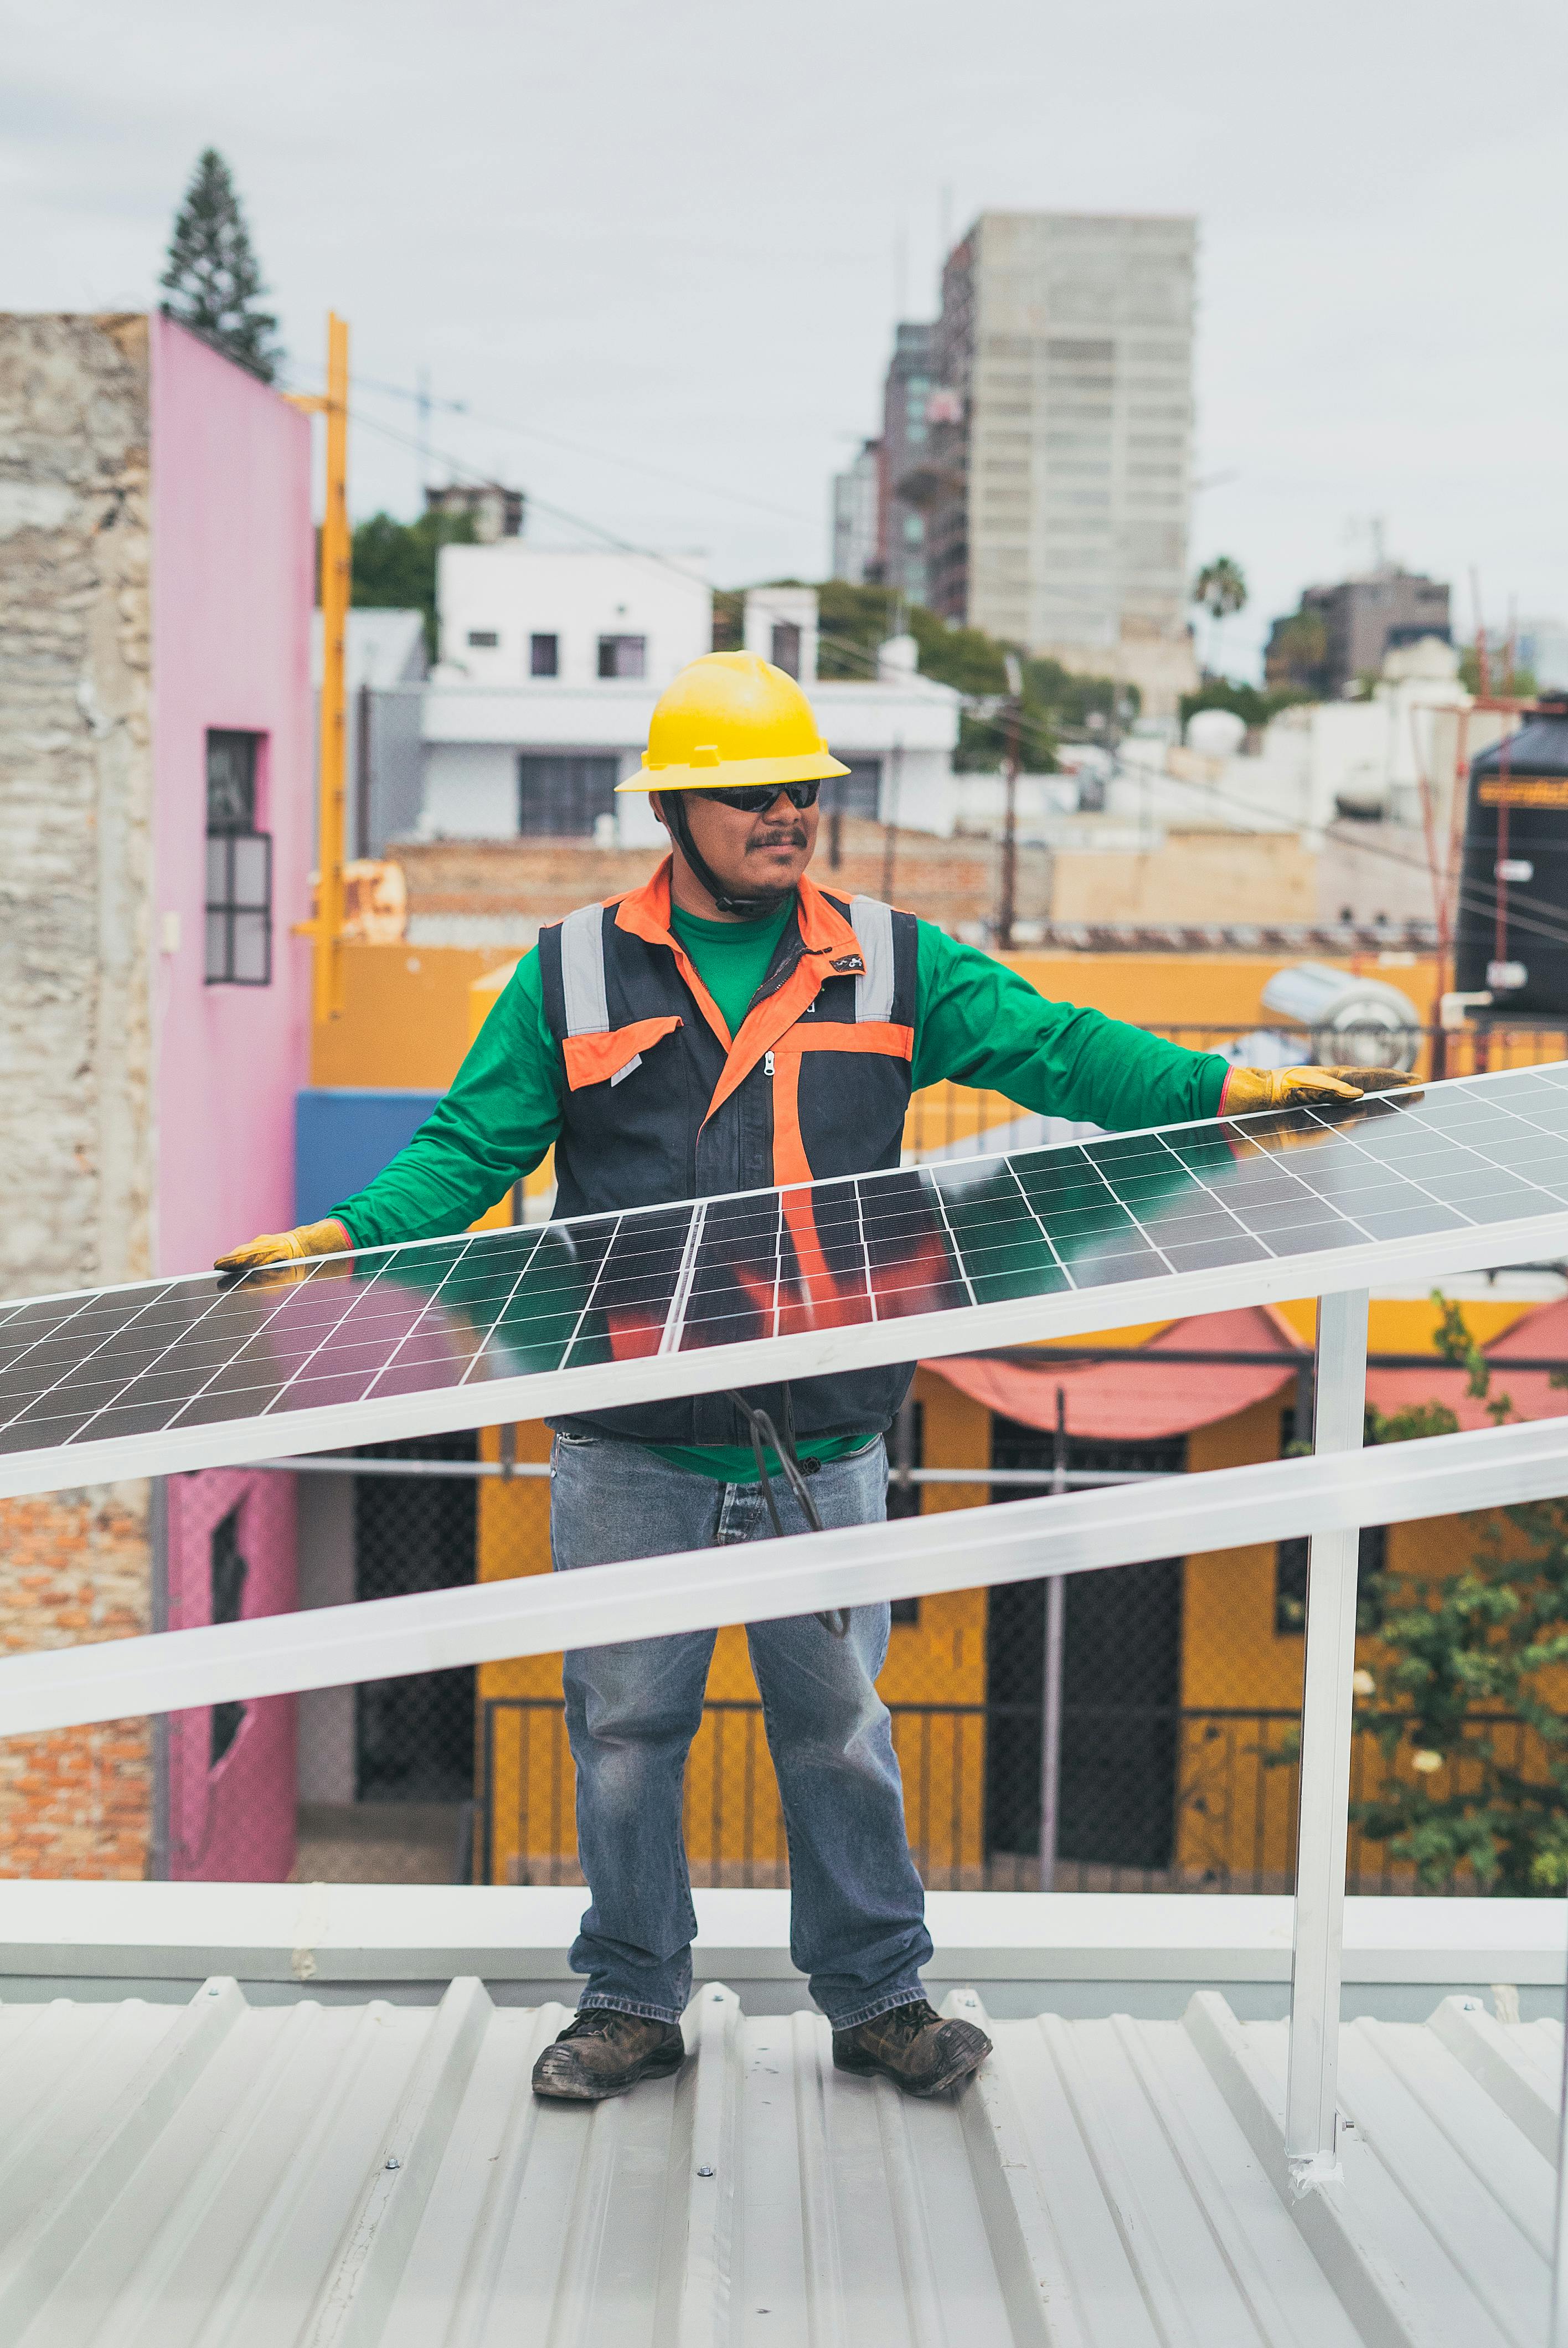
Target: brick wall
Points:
(75, 1053)
(74, 1567)
(953, 882)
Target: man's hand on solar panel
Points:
(286, 1252)
(1247, 1089)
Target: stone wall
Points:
(76, 1030)
(75, 803)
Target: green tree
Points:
(855, 620)
(1513, 683)
(1220, 588)
(212, 279)
(1254, 705)
(1459, 1650)
(394, 563)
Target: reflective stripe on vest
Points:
(583, 971)
(873, 925)
(587, 999)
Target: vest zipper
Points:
(768, 1065)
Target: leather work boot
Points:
(913, 2045)
(602, 2052)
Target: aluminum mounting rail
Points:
(965, 1549)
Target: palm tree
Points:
(1220, 590)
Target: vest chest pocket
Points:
(613, 1053)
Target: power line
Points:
(1554, 934)
(578, 447)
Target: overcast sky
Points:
(675, 234)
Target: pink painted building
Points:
(156, 792)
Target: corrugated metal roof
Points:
(228, 2176)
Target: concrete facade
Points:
(156, 552)
(902, 503)
(899, 728)
(497, 602)
(1060, 490)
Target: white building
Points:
(552, 663)
(1318, 762)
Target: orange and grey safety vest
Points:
(663, 1102)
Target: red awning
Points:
(1142, 1399)
(1541, 1333)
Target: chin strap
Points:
(744, 908)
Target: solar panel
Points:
(921, 1261)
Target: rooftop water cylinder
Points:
(1354, 1022)
(1512, 930)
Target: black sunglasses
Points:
(752, 799)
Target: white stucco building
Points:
(551, 663)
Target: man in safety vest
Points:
(726, 1027)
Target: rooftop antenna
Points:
(1482, 658)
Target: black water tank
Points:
(1512, 932)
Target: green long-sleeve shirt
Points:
(977, 1022)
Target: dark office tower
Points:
(1345, 632)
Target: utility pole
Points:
(890, 820)
(325, 927)
(1052, 1679)
(1007, 912)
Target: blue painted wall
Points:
(344, 1136)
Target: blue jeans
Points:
(857, 1914)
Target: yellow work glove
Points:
(287, 1248)
(1247, 1089)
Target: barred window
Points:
(239, 949)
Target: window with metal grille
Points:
(563, 798)
(227, 1570)
(1121, 1681)
(239, 945)
(623, 655)
(485, 640)
(544, 655)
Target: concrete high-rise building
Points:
(857, 518)
(1054, 480)
(906, 432)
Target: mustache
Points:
(795, 837)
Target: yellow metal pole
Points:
(336, 557)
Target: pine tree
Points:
(212, 274)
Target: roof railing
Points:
(1328, 1496)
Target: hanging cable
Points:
(836, 1620)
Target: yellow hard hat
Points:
(730, 720)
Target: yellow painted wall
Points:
(405, 1014)
(410, 1015)
(732, 1795)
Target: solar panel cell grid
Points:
(838, 1256)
